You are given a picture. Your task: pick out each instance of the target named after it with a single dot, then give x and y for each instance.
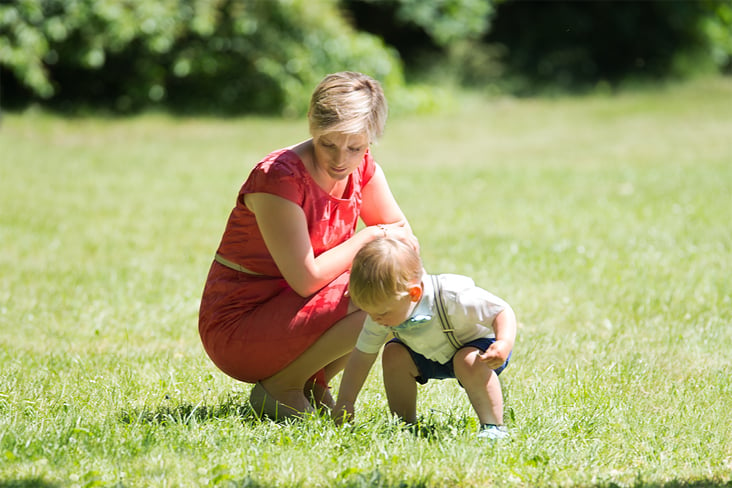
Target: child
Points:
(388, 282)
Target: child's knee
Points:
(465, 359)
(467, 366)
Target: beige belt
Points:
(232, 265)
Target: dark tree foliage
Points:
(380, 18)
(424, 32)
(525, 45)
(575, 44)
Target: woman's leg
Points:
(336, 367)
(400, 382)
(320, 394)
(481, 384)
(286, 386)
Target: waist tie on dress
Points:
(232, 265)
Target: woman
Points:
(274, 310)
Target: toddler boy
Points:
(444, 327)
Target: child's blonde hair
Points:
(383, 269)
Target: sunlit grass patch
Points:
(603, 220)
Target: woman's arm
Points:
(284, 229)
(380, 207)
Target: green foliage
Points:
(718, 29)
(446, 21)
(442, 21)
(425, 32)
(22, 46)
(256, 56)
(227, 55)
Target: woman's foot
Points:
(288, 404)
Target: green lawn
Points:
(606, 221)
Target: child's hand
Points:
(496, 354)
(342, 413)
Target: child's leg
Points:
(399, 381)
(481, 384)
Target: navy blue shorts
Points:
(432, 370)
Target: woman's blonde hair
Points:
(383, 269)
(348, 102)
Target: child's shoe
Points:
(493, 432)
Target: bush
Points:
(231, 56)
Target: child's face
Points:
(394, 311)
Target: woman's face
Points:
(339, 154)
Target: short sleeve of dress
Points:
(279, 174)
(368, 169)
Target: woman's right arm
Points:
(284, 229)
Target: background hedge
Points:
(230, 56)
(257, 56)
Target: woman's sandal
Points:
(264, 404)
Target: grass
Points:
(604, 220)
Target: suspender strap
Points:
(442, 314)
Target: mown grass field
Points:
(606, 221)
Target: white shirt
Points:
(471, 310)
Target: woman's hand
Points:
(399, 231)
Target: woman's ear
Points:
(415, 293)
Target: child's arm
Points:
(354, 376)
(504, 326)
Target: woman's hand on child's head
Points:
(401, 232)
(496, 354)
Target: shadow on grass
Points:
(376, 479)
(187, 414)
(27, 483)
(674, 484)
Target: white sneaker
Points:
(493, 432)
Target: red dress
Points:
(253, 326)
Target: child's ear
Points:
(415, 293)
